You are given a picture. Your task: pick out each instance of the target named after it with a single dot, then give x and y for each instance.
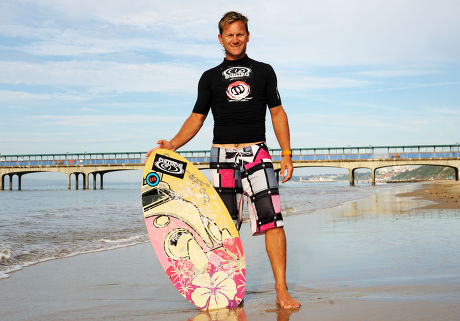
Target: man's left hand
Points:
(286, 165)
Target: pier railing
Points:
(74, 159)
(203, 156)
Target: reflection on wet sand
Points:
(379, 204)
(238, 314)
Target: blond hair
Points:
(231, 17)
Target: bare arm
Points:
(188, 130)
(281, 127)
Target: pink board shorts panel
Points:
(227, 178)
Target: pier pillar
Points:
(85, 180)
(76, 180)
(456, 173)
(11, 181)
(68, 181)
(352, 177)
(20, 182)
(373, 176)
(102, 180)
(2, 185)
(94, 180)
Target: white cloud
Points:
(390, 73)
(330, 32)
(361, 32)
(106, 120)
(15, 96)
(98, 76)
(85, 41)
(447, 111)
(296, 82)
(343, 120)
(69, 141)
(342, 129)
(415, 85)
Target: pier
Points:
(94, 165)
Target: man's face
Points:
(234, 38)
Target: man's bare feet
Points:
(284, 299)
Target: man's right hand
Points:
(162, 143)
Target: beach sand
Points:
(365, 260)
(442, 194)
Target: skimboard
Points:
(192, 232)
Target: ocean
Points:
(45, 221)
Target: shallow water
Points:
(45, 222)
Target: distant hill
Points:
(426, 172)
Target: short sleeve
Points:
(203, 100)
(271, 90)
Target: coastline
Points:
(336, 273)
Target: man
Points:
(238, 91)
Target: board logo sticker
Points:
(170, 166)
(152, 179)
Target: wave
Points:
(11, 262)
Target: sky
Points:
(116, 75)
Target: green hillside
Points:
(426, 172)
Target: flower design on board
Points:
(181, 273)
(180, 270)
(185, 289)
(229, 258)
(240, 281)
(214, 291)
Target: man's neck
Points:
(239, 57)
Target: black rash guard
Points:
(238, 93)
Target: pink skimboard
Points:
(192, 232)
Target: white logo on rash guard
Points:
(237, 72)
(238, 91)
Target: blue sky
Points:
(115, 76)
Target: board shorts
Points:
(247, 171)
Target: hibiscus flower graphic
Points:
(181, 273)
(185, 289)
(213, 292)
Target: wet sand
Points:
(372, 259)
(442, 194)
